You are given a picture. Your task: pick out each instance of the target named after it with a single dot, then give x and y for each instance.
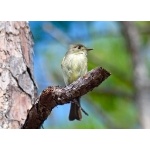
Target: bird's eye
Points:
(79, 47)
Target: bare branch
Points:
(55, 95)
(57, 34)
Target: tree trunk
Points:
(140, 76)
(17, 87)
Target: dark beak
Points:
(89, 49)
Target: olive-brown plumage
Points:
(74, 65)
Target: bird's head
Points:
(78, 48)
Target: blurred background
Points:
(122, 48)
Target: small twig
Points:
(55, 95)
(77, 103)
(84, 111)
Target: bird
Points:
(74, 66)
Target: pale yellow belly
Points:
(74, 67)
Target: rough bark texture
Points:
(140, 79)
(53, 96)
(17, 87)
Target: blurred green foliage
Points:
(111, 104)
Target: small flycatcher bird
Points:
(74, 65)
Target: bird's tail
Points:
(75, 110)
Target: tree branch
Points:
(55, 95)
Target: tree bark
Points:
(53, 96)
(140, 76)
(17, 86)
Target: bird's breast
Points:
(75, 66)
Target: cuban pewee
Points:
(74, 65)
